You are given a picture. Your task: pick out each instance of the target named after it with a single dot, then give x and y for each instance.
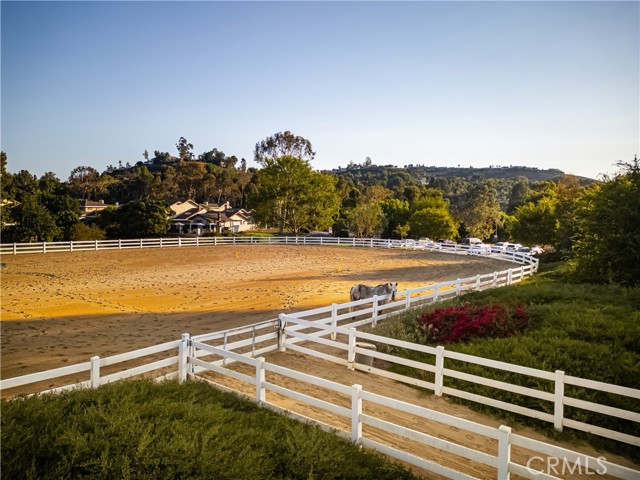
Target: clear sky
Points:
(541, 84)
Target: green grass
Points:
(588, 331)
(147, 430)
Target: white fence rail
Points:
(172, 242)
(313, 333)
(499, 462)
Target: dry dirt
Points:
(63, 308)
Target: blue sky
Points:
(541, 84)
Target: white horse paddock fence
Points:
(238, 360)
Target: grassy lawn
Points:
(147, 430)
(586, 330)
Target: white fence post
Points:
(334, 319)
(504, 452)
(261, 392)
(44, 247)
(558, 404)
(478, 283)
(374, 314)
(407, 300)
(95, 372)
(351, 355)
(495, 279)
(356, 413)
(458, 287)
(183, 350)
(435, 293)
(119, 244)
(509, 276)
(96, 245)
(439, 377)
(282, 336)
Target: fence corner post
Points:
(558, 403)
(282, 336)
(351, 355)
(261, 392)
(439, 377)
(504, 452)
(183, 351)
(356, 413)
(95, 372)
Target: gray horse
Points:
(360, 291)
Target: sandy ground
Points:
(63, 308)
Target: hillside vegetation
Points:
(586, 330)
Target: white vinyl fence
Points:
(330, 333)
(172, 242)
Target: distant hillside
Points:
(423, 173)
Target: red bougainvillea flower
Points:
(463, 323)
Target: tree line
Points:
(286, 194)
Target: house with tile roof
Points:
(191, 217)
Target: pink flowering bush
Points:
(463, 323)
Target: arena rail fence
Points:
(501, 463)
(335, 327)
(172, 242)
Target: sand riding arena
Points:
(72, 305)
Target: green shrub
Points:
(146, 430)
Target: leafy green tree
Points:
(479, 210)
(108, 220)
(518, 194)
(431, 218)
(161, 157)
(189, 177)
(65, 210)
(33, 221)
(185, 150)
(84, 181)
(143, 219)
(293, 197)
(535, 223)
(402, 230)
(283, 144)
(82, 231)
(396, 214)
(606, 247)
(432, 223)
(365, 219)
